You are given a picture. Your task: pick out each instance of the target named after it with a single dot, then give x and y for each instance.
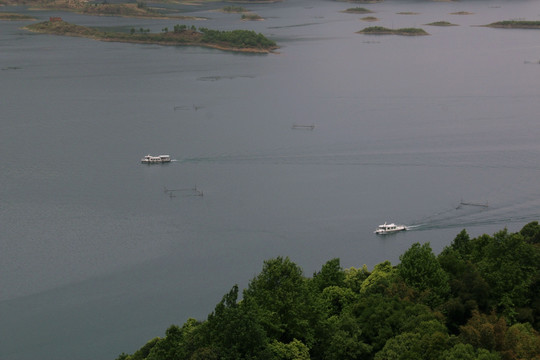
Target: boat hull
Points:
(386, 229)
(149, 159)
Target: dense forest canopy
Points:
(479, 299)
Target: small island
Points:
(246, 14)
(442, 23)
(13, 16)
(234, 9)
(250, 16)
(461, 13)
(235, 40)
(369, 18)
(358, 10)
(379, 30)
(515, 24)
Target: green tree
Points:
(233, 330)
(468, 289)
(285, 304)
(531, 232)
(331, 274)
(427, 341)
(421, 270)
(382, 318)
(522, 342)
(355, 277)
(484, 331)
(295, 350)
(379, 280)
(462, 351)
(344, 341)
(336, 298)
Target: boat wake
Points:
(467, 215)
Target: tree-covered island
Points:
(358, 10)
(441, 23)
(379, 30)
(235, 40)
(479, 299)
(515, 24)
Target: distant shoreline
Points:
(15, 17)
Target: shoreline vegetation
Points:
(236, 40)
(477, 299)
(14, 16)
(515, 24)
(379, 30)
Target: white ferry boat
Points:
(149, 159)
(389, 228)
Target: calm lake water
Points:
(96, 258)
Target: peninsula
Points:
(235, 40)
(379, 30)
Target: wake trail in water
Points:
(473, 215)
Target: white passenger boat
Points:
(149, 159)
(389, 228)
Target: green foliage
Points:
(522, 24)
(531, 232)
(337, 298)
(355, 277)
(331, 274)
(522, 342)
(383, 30)
(14, 16)
(376, 29)
(344, 339)
(243, 40)
(251, 16)
(379, 280)
(358, 10)
(233, 329)
(421, 270)
(237, 38)
(478, 300)
(462, 351)
(284, 302)
(295, 350)
(441, 23)
(234, 9)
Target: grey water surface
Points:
(96, 257)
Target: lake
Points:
(98, 256)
